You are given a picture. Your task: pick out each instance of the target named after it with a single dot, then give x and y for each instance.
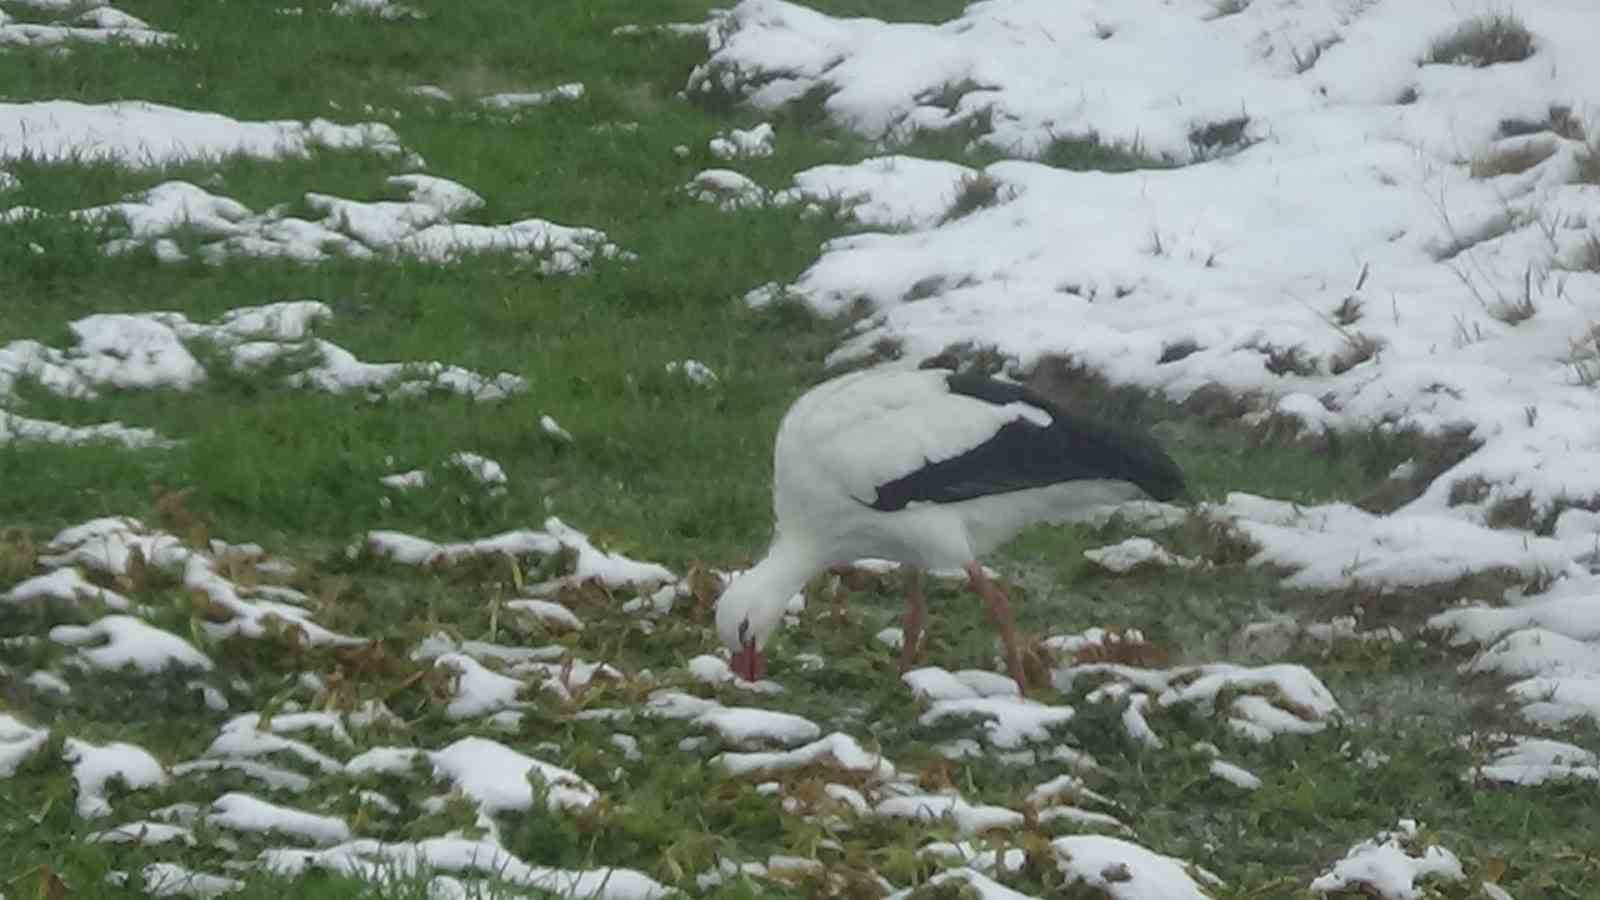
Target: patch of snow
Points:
(129, 642)
(746, 727)
(1530, 761)
(94, 767)
(504, 101)
(835, 751)
(378, 9)
(172, 880)
(550, 613)
(67, 584)
(477, 689)
(18, 741)
(1134, 552)
(694, 371)
(553, 428)
(743, 143)
(1125, 870)
(147, 834)
(1235, 775)
(1008, 722)
(380, 862)
(1390, 865)
(242, 812)
(967, 818)
(141, 134)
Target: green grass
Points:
(658, 469)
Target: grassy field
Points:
(658, 469)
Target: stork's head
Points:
(746, 617)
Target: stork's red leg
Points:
(911, 624)
(999, 609)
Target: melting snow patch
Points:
(1528, 761)
(570, 91)
(148, 834)
(18, 742)
(835, 751)
(746, 727)
(141, 134)
(146, 351)
(379, 9)
(1127, 871)
(728, 189)
(1134, 553)
(173, 880)
(477, 690)
(1390, 865)
(747, 143)
(381, 862)
(130, 642)
(95, 767)
(967, 818)
(421, 228)
(498, 778)
(66, 584)
(242, 812)
(1009, 722)
(99, 25)
(694, 371)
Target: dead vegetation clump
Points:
(976, 192)
(1349, 310)
(1358, 348)
(1178, 350)
(1589, 165)
(19, 555)
(1122, 650)
(1290, 360)
(1472, 489)
(967, 357)
(1432, 456)
(1558, 120)
(1306, 61)
(1482, 42)
(1213, 138)
(1221, 9)
(1512, 160)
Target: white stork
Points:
(932, 469)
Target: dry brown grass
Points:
(1358, 348)
(19, 556)
(976, 192)
(1512, 160)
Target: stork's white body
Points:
(842, 440)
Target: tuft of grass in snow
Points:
(1484, 41)
(1091, 154)
(1511, 160)
(1214, 138)
(1224, 8)
(974, 193)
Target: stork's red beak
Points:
(748, 663)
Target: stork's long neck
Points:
(765, 589)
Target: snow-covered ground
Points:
(1348, 232)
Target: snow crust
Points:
(143, 134)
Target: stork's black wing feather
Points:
(1023, 454)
